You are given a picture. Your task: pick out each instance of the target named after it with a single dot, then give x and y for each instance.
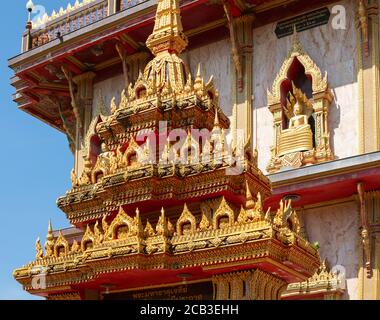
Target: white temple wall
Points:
(333, 51)
(215, 59)
(321, 43)
(336, 228)
(111, 87)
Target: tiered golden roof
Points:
(220, 212)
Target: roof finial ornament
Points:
(216, 121)
(296, 44)
(199, 70)
(250, 203)
(50, 229)
(49, 244)
(168, 33)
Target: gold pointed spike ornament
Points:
(250, 203)
(49, 244)
(39, 250)
(167, 71)
(149, 231)
(162, 226)
(168, 32)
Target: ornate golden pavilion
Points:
(191, 215)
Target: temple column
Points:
(243, 73)
(248, 285)
(369, 261)
(84, 98)
(367, 24)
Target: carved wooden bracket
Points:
(123, 56)
(65, 123)
(74, 104)
(235, 47)
(363, 25)
(365, 234)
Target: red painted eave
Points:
(326, 182)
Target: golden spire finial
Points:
(198, 72)
(149, 231)
(162, 225)
(50, 231)
(39, 250)
(296, 44)
(49, 244)
(250, 203)
(216, 121)
(168, 33)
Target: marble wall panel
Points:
(333, 51)
(336, 228)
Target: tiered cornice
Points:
(122, 244)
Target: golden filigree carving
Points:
(39, 250)
(324, 283)
(74, 100)
(320, 83)
(236, 56)
(61, 244)
(85, 179)
(258, 285)
(243, 216)
(149, 231)
(49, 244)
(122, 220)
(75, 247)
(162, 224)
(254, 210)
(121, 244)
(171, 229)
(91, 131)
(125, 237)
(113, 106)
(123, 57)
(168, 32)
(205, 224)
(282, 214)
(298, 143)
(224, 215)
(365, 234)
(186, 219)
(133, 150)
(363, 25)
(88, 239)
(71, 296)
(286, 217)
(74, 179)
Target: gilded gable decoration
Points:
(61, 246)
(224, 215)
(299, 100)
(145, 154)
(88, 239)
(186, 224)
(49, 244)
(39, 250)
(120, 227)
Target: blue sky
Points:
(35, 161)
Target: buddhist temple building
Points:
(222, 150)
